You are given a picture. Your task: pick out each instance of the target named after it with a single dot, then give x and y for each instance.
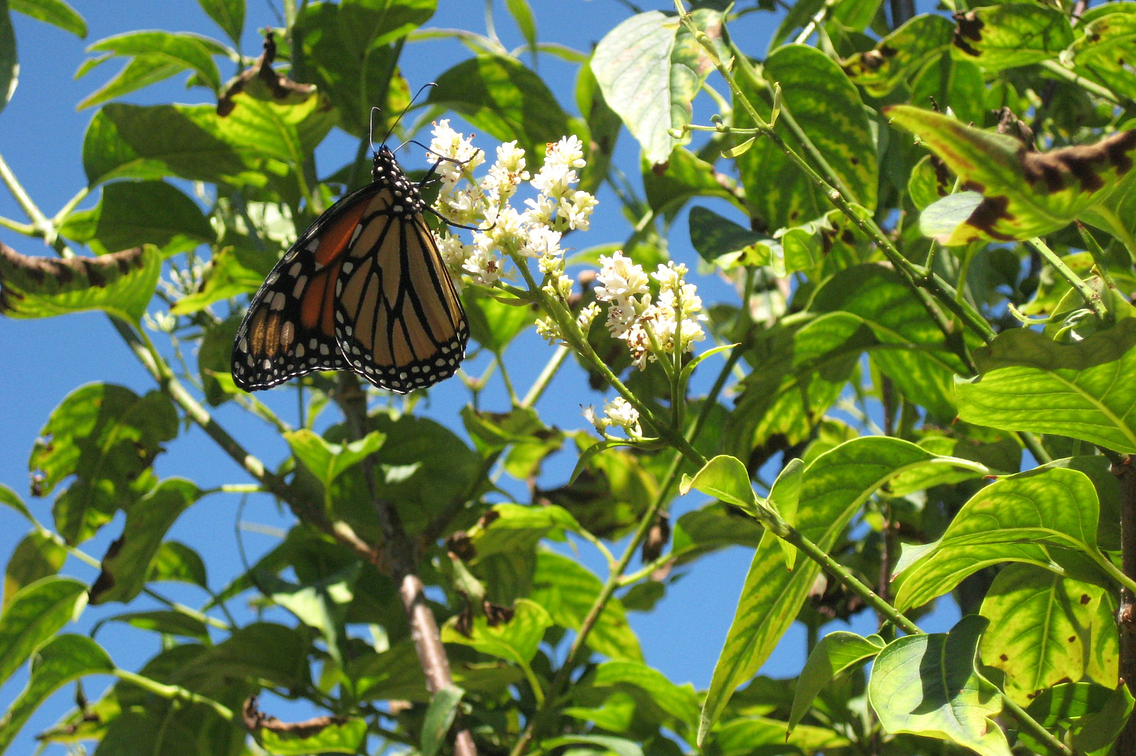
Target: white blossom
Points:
(542, 241)
(622, 414)
(599, 423)
(619, 278)
(457, 153)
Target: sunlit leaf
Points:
(36, 612)
(927, 685)
(835, 653)
(131, 214)
(57, 663)
(107, 437)
(1045, 628)
(121, 284)
(54, 12)
(1018, 518)
(35, 557)
(1084, 390)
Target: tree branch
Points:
(400, 555)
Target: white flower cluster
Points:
(617, 412)
(672, 321)
(535, 232)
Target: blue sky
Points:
(43, 360)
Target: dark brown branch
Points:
(1126, 616)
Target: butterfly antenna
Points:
(404, 112)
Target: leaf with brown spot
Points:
(1024, 193)
(899, 56)
(1106, 49)
(998, 37)
(120, 284)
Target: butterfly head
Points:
(387, 171)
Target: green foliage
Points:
(893, 339)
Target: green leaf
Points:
(9, 497)
(1045, 628)
(131, 214)
(444, 468)
(393, 674)
(121, 284)
(162, 621)
(1085, 390)
(567, 590)
(618, 746)
(321, 603)
(928, 685)
(748, 734)
(828, 108)
(340, 735)
(726, 478)
(957, 84)
(439, 717)
(186, 141)
(328, 461)
(1025, 194)
(492, 322)
(515, 640)
(36, 556)
(353, 80)
(1092, 714)
(835, 484)
(679, 702)
(515, 527)
(499, 95)
(36, 613)
(368, 24)
(1103, 44)
(57, 663)
(835, 653)
(232, 271)
(912, 351)
(685, 175)
(9, 62)
(55, 12)
(260, 651)
(712, 527)
(176, 561)
(228, 14)
(715, 237)
(157, 55)
(799, 371)
(127, 561)
(997, 37)
(522, 14)
(632, 65)
(107, 437)
(1018, 518)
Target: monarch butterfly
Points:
(363, 289)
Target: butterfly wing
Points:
(364, 289)
(289, 329)
(398, 317)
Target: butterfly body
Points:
(363, 289)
